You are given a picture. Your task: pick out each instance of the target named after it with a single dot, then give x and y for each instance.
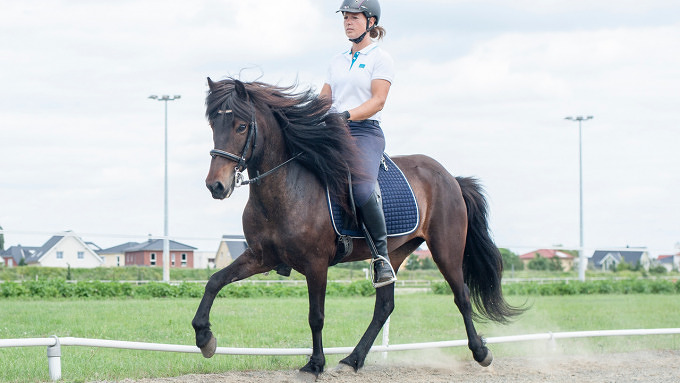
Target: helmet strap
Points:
(368, 29)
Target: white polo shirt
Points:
(350, 75)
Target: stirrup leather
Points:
(373, 275)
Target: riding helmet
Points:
(370, 8)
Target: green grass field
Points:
(276, 322)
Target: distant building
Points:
(150, 253)
(230, 248)
(115, 256)
(204, 259)
(64, 251)
(670, 262)
(609, 259)
(14, 254)
(566, 260)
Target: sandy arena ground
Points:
(646, 366)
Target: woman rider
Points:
(358, 82)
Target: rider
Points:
(358, 82)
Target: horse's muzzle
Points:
(218, 190)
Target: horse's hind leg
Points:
(384, 305)
(449, 258)
(243, 267)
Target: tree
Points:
(2, 240)
(539, 263)
(511, 260)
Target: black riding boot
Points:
(374, 220)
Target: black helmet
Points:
(370, 8)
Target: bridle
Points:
(251, 141)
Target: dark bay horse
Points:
(293, 148)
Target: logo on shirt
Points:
(362, 65)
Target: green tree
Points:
(2, 240)
(511, 260)
(412, 262)
(539, 263)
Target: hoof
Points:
(487, 360)
(209, 349)
(303, 376)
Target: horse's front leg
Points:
(384, 305)
(316, 287)
(243, 267)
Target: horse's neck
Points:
(286, 189)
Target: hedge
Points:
(626, 286)
(59, 288)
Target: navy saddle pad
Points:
(399, 204)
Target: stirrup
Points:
(373, 276)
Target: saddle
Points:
(399, 206)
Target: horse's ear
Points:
(240, 90)
(211, 84)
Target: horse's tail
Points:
(482, 262)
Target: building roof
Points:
(45, 248)
(629, 256)
(118, 248)
(236, 248)
(157, 245)
(35, 257)
(663, 259)
(19, 252)
(546, 253)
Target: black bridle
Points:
(241, 162)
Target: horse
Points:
(294, 150)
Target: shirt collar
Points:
(365, 50)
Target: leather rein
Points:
(241, 162)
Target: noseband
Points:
(241, 162)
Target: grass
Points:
(275, 322)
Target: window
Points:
(153, 259)
(117, 260)
(184, 260)
(81, 255)
(60, 255)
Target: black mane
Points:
(304, 119)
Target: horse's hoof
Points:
(342, 368)
(303, 376)
(487, 360)
(209, 349)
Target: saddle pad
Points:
(399, 204)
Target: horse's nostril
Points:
(215, 187)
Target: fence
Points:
(54, 344)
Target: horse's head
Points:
(232, 118)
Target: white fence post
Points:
(386, 336)
(54, 359)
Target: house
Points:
(566, 260)
(115, 256)
(609, 259)
(230, 248)
(150, 253)
(204, 259)
(670, 262)
(63, 251)
(14, 254)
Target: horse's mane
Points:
(307, 126)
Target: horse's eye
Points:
(241, 128)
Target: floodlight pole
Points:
(582, 263)
(166, 240)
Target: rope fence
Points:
(54, 344)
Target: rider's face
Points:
(355, 24)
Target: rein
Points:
(241, 162)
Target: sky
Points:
(481, 86)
